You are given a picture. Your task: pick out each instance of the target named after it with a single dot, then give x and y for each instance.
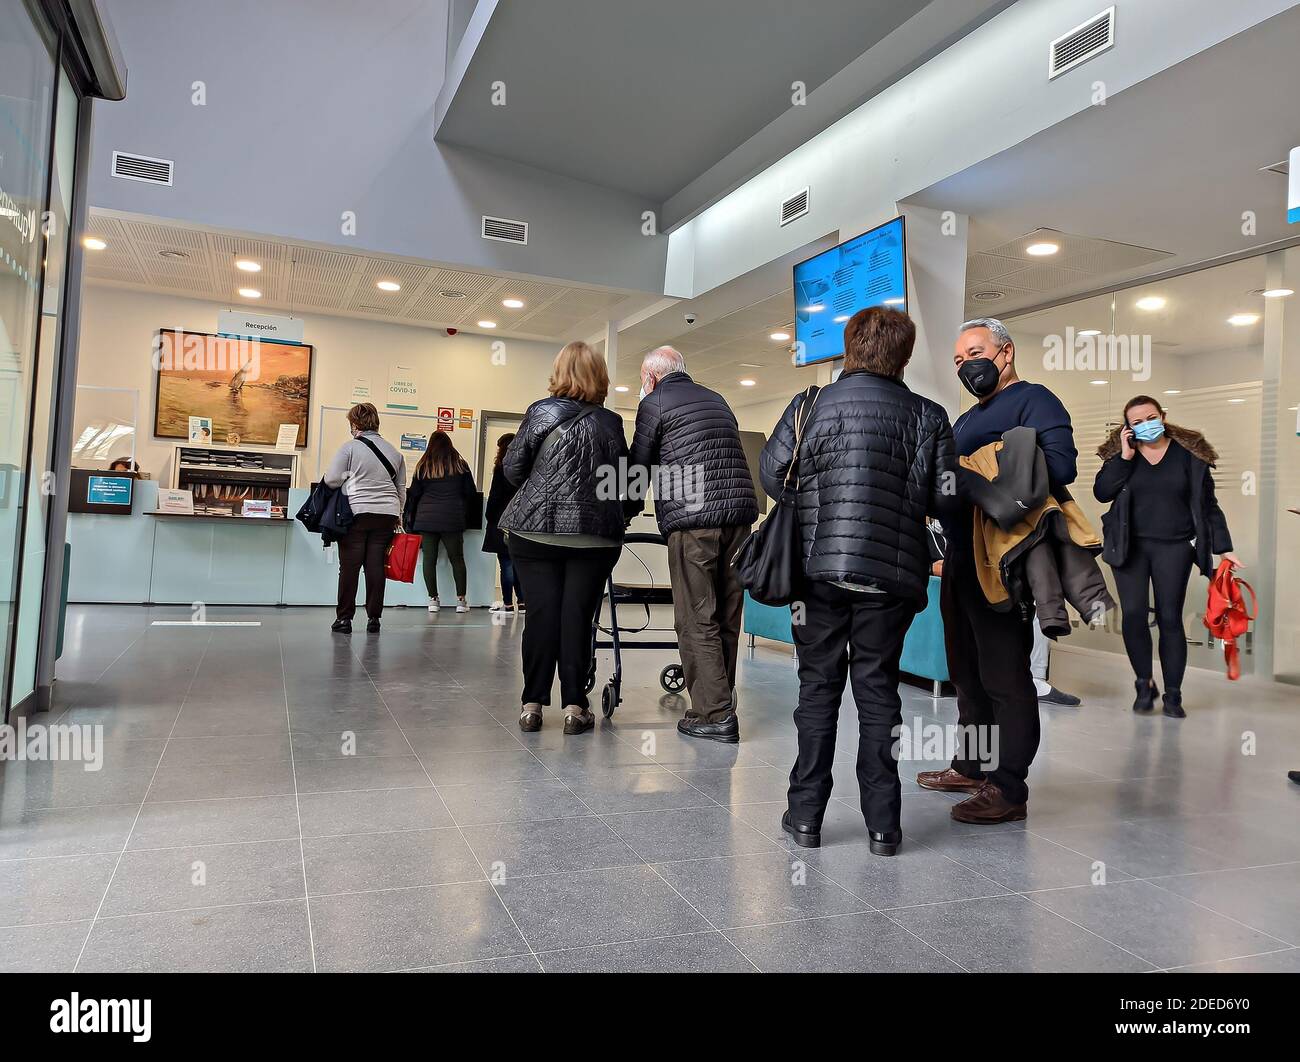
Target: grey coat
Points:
(369, 487)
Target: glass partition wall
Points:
(1219, 349)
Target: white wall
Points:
(118, 328)
(986, 93)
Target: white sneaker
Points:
(461, 606)
(499, 606)
(433, 604)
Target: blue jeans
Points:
(510, 585)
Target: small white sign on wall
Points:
(259, 325)
(360, 389)
(1293, 188)
(403, 389)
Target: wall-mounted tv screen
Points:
(868, 270)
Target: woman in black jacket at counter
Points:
(1164, 516)
(565, 528)
(435, 509)
(494, 542)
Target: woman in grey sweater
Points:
(377, 493)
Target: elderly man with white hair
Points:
(705, 504)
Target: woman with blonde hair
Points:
(564, 528)
(440, 490)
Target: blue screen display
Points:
(868, 270)
(109, 490)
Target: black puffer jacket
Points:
(437, 506)
(563, 492)
(876, 459)
(691, 434)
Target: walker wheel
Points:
(608, 701)
(673, 678)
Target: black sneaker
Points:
(341, 626)
(1173, 704)
(726, 729)
(1146, 695)
(1055, 696)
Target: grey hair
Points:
(663, 360)
(996, 328)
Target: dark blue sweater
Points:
(1022, 403)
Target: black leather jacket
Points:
(690, 433)
(573, 487)
(876, 459)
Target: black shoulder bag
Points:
(770, 563)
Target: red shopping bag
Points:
(1226, 616)
(402, 555)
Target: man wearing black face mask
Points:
(988, 651)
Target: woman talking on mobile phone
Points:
(1164, 516)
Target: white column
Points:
(611, 358)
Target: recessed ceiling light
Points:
(93, 243)
(1151, 302)
(388, 285)
(1099, 383)
(513, 304)
(748, 383)
(622, 389)
(779, 337)
(1242, 320)
(250, 293)
(1091, 332)
(1173, 391)
(1236, 401)
(988, 296)
(451, 295)
(487, 324)
(1042, 250)
(248, 265)
(1277, 293)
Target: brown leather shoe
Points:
(987, 807)
(948, 781)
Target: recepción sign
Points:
(262, 326)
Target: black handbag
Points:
(770, 563)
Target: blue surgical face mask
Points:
(1149, 430)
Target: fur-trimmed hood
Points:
(1190, 440)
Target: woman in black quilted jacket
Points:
(564, 528)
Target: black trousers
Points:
(1160, 567)
(364, 546)
(997, 703)
(871, 627)
(564, 591)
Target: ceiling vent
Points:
(1081, 43)
(794, 207)
(504, 230)
(142, 168)
(988, 296)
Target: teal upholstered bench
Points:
(923, 650)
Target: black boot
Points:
(1173, 704)
(1146, 695)
(341, 626)
(885, 844)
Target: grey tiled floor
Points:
(230, 829)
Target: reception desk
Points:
(167, 559)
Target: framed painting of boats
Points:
(248, 387)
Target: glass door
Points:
(27, 92)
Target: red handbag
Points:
(1226, 616)
(402, 556)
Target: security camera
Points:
(690, 318)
